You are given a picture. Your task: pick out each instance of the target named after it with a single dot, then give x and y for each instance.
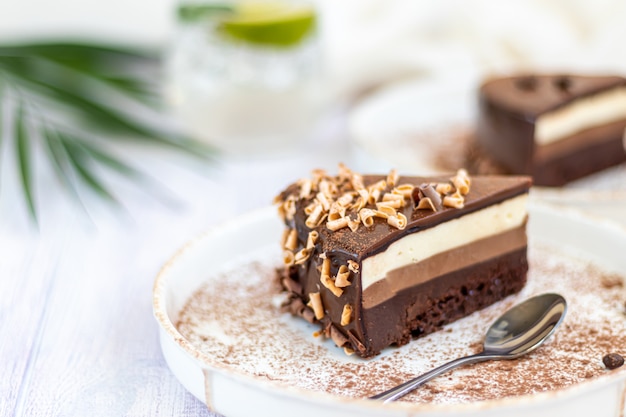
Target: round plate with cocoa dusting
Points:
(226, 339)
(426, 125)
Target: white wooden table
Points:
(77, 333)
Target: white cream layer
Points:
(596, 110)
(418, 246)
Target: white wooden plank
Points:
(26, 274)
(98, 353)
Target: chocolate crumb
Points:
(613, 360)
(612, 281)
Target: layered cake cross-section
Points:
(557, 128)
(377, 260)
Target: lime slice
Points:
(270, 23)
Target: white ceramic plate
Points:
(236, 389)
(419, 126)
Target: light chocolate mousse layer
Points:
(446, 247)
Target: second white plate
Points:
(422, 126)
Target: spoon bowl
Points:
(519, 331)
(526, 326)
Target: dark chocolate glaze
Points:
(395, 320)
(508, 110)
(544, 92)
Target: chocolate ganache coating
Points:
(508, 111)
(486, 190)
(528, 96)
(404, 305)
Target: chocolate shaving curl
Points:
(427, 191)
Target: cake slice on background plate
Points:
(556, 128)
(376, 260)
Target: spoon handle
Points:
(406, 387)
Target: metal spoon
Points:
(517, 332)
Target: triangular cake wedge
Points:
(557, 128)
(377, 260)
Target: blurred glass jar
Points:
(247, 75)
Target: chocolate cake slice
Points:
(556, 128)
(377, 260)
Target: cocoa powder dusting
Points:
(236, 320)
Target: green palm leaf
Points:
(24, 160)
(60, 161)
(40, 77)
(94, 89)
(80, 162)
(120, 69)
